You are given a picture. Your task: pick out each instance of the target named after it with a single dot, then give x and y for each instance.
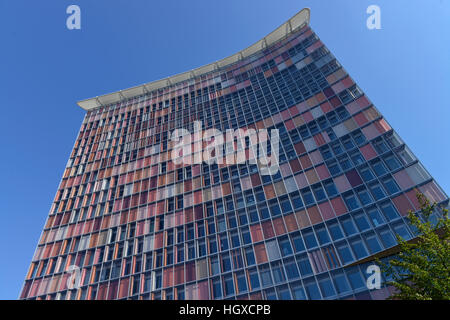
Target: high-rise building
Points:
(131, 221)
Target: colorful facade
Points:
(128, 223)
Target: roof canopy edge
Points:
(293, 24)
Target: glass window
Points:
(372, 243)
(312, 290)
(377, 191)
(291, 269)
(217, 289)
(335, 231)
(345, 253)
(389, 211)
(228, 285)
(387, 238)
(341, 282)
(266, 277)
(356, 279)
(366, 174)
(364, 196)
(379, 168)
(241, 282)
(310, 240)
(333, 167)
(298, 292)
(326, 287)
(358, 248)
(348, 143)
(356, 158)
(359, 137)
(392, 162)
(351, 201)
(322, 235)
(376, 217)
(250, 256)
(348, 225)
(390, 185)
(254, 279)
(304, 265)
(285, 247)
(297, 200)
(298, 243)
(318, 192)
(278, 272)
(330, 188)
(345, 163)
(361, 221)
(307, 196)
(402, 231)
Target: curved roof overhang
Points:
(293, 24)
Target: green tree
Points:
(422, 265)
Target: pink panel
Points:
(338, 87)
(382, 126)
(322, 172)
(302, 107)
(403, 180)
(363, 102)
(402, 204)
(326, 210)
(285, 114)
(307, 116)
(203, 292)
(360, 119)
(301, 180)
(289, 125)
(370, 131)
(432, 192)
(318, 138)
(316, 157)
(293, 110)
(326, 107)
(348, 82)
(411, 195)
(338, 206)
(353, 107)
(368, 152)
(277, 118)
(285, 169)
(342, 183)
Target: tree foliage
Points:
(420, 271)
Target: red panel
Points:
(338, 206)
(307, 116)
(360, 119)
(326, 210)
(255, 231)
(368, 152)
(411, 195)
(314, 215)
(279, 227)
(291, 223)
(326, 107)
(403, 180)
(268, 229)
(300, 148)
(322, 172)
(260, 253)
(402, 204)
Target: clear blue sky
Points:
(45, 68)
